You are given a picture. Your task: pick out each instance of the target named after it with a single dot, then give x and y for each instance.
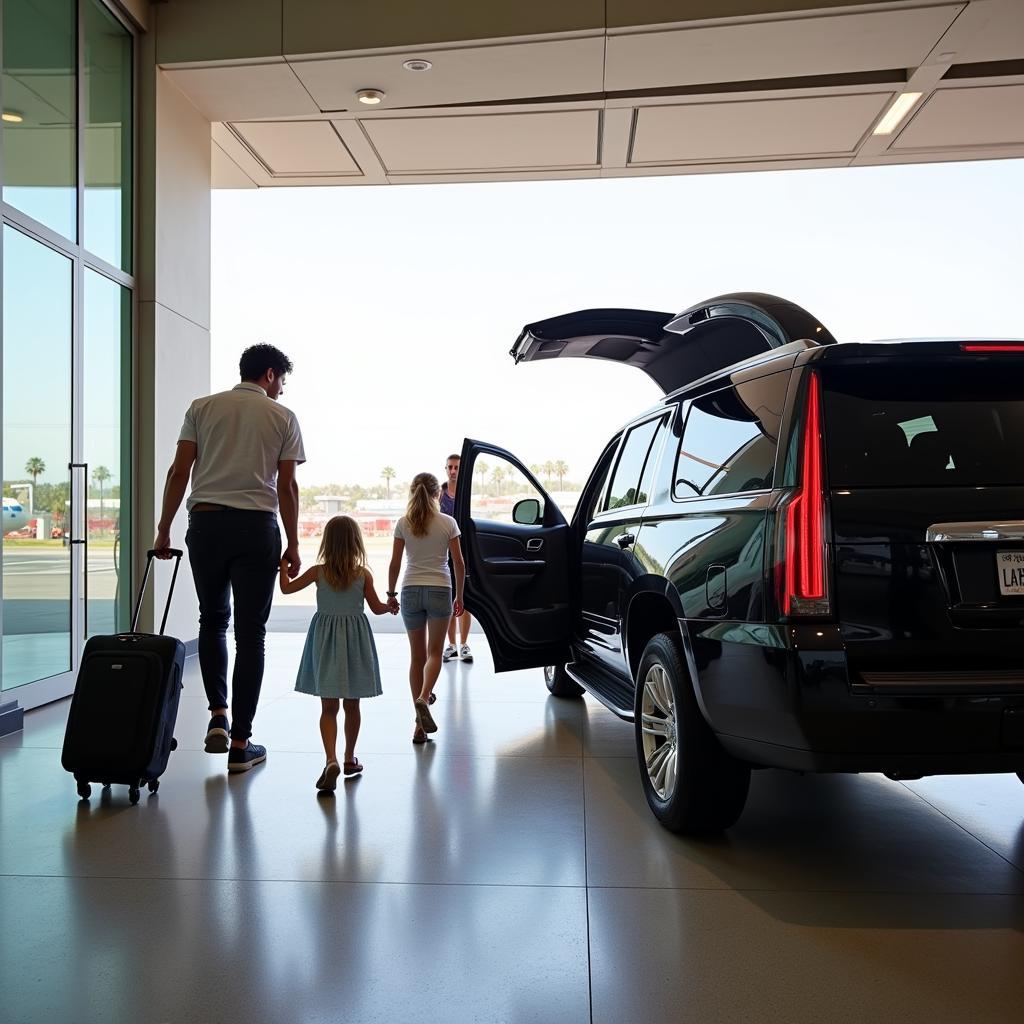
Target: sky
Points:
(398, 304)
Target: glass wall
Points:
(106, 337)
(66, 183)
(39, 119)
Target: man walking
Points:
(448, 490)
(241, 449)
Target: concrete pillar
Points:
(173, 329)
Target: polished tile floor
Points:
(509, 871)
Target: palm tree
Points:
(101, 475)
(560, 469)
(388, 473)
(497, 476)
(535, 469)
(481, 469)
(35, 467)
(549, 468)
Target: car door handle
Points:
(624, 540)
(535, 544)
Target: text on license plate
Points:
(1011, 573)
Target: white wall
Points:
(173, 365)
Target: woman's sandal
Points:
(419, 736)
(328, 780)
(353, 767)
(432, 698)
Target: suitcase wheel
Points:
(133, 795)
(154, 785)
(174, 744)
(84, 789)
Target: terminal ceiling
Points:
(589, 88)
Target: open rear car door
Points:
(516, 543)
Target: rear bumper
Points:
(791, 704)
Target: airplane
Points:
(14, 515)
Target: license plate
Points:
(1011, 573)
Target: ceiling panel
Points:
(224, 172)
(750, 129)
(298, 147)
(786, 48)
(319, 26)
(486, 141)
(1000, 34)
(467, 75)
(241, 92)
(980, 116)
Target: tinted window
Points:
(602, 472)
(625, 489)
(914, 424)
(730, 439)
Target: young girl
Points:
(427, 536)
(339, 660)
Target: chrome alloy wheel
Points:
(660, 731)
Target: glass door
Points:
(66, 202)
(39, 561)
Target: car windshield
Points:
(910, 423)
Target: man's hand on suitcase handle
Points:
(162, 544)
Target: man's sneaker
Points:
(217, 736)
(465, 653)
(241, 759)
(448, 653)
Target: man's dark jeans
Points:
(234, 553)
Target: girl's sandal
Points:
(419, 736)
(353, 767)
(329, 777)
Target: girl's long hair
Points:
(342, 552)
(423, 494)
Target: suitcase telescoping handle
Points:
(150, 555)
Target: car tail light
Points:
(992, 346)
(801, 567)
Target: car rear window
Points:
(955, 423)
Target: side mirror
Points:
(526, 512)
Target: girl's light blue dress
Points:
(340, 657)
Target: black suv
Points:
(807, 556)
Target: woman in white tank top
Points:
(426, 536)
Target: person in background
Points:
(339, 661)
(240, 448)
(427, 537)
(464, 620)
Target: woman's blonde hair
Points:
(423, 494)
(342, 552)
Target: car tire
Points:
(692, 785)
(560, 683)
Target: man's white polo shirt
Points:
(241, 435)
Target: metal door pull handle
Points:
(534, 544)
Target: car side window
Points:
(626, 480)
(596, 494)
(498, 486)
(730, 439)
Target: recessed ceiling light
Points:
(901, 106)
(12, 117)
(417, 64)
(371, 97)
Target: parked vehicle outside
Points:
(807, 556)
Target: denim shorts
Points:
(422, 603)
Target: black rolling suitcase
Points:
(121, 723)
